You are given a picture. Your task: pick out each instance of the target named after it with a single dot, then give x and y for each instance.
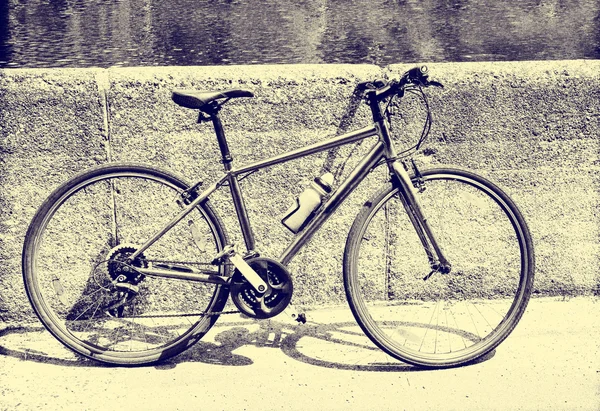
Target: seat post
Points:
(223, 146)
(236, 193)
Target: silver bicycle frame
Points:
(231, 177)
(382, 149)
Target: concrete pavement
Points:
(551, 361)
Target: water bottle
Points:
(300, 213)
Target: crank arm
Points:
(230, 253)
(248, 272)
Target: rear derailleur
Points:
(124, 277)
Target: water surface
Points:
(103, 33)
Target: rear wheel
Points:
(446, 319)
(80, 287)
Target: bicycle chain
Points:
(186, 262)
(203, 314)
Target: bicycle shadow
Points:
(338, 345)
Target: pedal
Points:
(294, 315)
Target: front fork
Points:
(407, 193)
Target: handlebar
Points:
(417, 76)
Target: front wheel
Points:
(441, 320)
(77, 279)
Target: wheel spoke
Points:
(87, 309)
(472, 320)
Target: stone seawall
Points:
(532, 127)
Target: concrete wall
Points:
(530, 126)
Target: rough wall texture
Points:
(530, 126)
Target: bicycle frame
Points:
(382, 150)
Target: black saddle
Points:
(200, 99)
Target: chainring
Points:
(270, 303)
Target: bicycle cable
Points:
(426, 125)
(392, 103)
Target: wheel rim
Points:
(447, 319)
(68, 282)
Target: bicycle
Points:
(438, 265)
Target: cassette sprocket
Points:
(120, 271)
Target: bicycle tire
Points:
(448, 319)
(96, 216)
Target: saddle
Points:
(200, 100)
